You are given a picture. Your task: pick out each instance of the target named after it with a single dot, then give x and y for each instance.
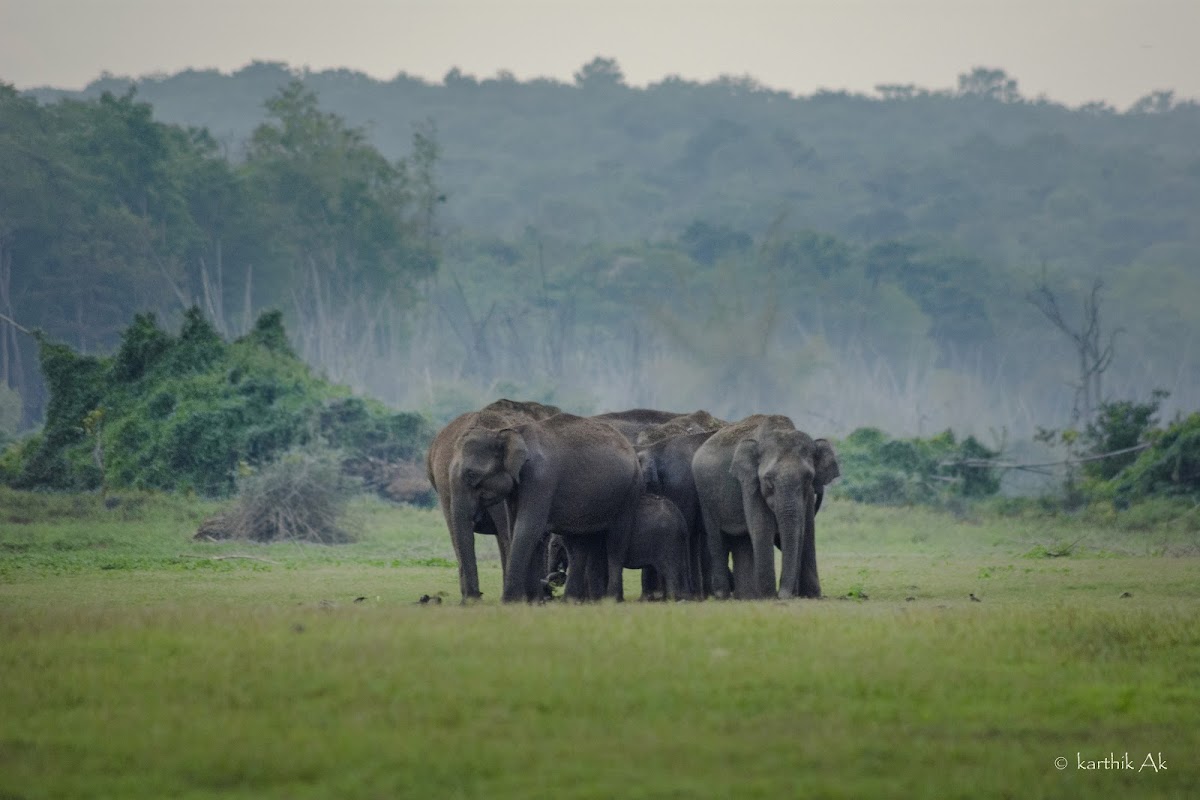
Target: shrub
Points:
(301, 497)
(1119, 425)
(183, 412)
(879, 469)
(1171, 466)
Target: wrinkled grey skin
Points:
(695, 422)
(667, 471)
(567, 474)
(470, 509)
(759, 479)
(658, 544)
(632, 422)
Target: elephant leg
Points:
(498, 514)
(810, 582)
(718, 557)
(587, 575)
(577, 563)
(538, 570)
(528, 529)
(596, 567)
(620, 534)
(699, 563)
(677, 588)
(650, 582)
(743, 566)
(673, 571)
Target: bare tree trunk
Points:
(12, 371)
(6, 307)
(1094, 357)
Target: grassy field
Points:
(137, 663)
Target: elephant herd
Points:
(679, 496)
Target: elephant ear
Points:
(825, 463)
(745, 462)
(515, 452)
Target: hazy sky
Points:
(1072, 51)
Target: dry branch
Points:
(983, 462)
(15, 324)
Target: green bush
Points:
(186, 412)
(1119, 425)
(879, 469)
(1171, 466)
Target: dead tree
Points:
(1095, 354)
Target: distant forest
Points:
(849, 260)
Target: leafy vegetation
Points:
(189, 412)
(1171, 466)
(1119, 425)
(879, 469)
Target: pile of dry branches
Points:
(302, 497)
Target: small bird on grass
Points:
(975, 599)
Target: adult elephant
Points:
(632, 422)
(667, 471)
(567, 474)
(470, 506)
(760, 478)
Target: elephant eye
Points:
(768, 487)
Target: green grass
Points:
(134, 665)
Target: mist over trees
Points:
(848, 260)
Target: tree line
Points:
(849, 260)
(1011, 178)
(106, 212)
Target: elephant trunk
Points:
(462, 535)
(790, 518)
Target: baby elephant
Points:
(659, 546)
(660, 542)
